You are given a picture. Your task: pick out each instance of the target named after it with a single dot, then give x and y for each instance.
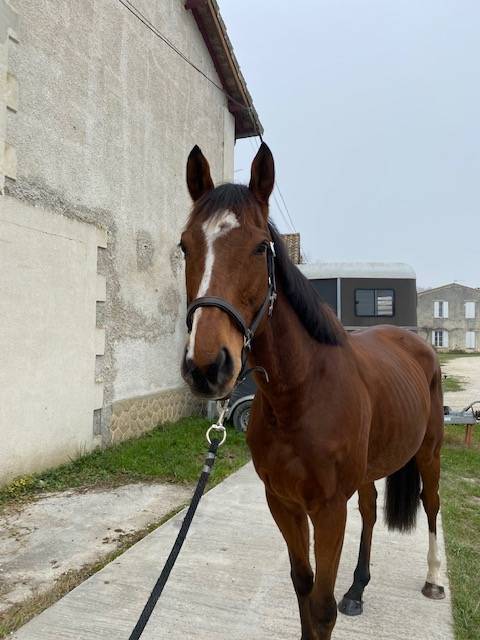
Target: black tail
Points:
(402, 498)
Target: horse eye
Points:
(262, 247)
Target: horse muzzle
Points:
(213, 380)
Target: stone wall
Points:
(135, 416)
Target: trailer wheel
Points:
(241, 416)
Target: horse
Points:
(336, 412)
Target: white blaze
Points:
(214, 228)
(433, 558)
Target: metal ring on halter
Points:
(217, 427)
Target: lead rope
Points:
(187, 521)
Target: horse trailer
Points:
(364, 294)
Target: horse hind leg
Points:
(352, 602)
(428, 462)
(430, 472)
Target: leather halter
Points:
(248, 332)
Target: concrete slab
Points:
(232, 582)
(69, 529)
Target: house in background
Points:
(449, 317)
(97, 117)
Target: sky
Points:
(372, 111)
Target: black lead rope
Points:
(162, 580)
(248, 333)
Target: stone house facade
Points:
(97, 117)
(449, 317)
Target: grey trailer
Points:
(364, 294)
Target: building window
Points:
(440, 338)
(470, 342)
(440, 309)
(469, 309)
(374, 302)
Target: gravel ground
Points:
(468, 370)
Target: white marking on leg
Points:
(214, 228)
(433, 558)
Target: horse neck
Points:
(286, 351)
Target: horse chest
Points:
(290, 475)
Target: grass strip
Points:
(172, 452)
(460, 492)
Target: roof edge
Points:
(355, 270)
(214, 32)
(450, 284)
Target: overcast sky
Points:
(372, 111)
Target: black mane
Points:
(315, 315)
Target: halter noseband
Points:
(248, 332)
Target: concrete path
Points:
(232, 582)
(468, 370)
(69, 529)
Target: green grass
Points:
(452, 383)
(460, 490)
(172, 452)
(453, 355)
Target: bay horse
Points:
(339, 410)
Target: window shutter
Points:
(445, 338)
(469, 309)
(445, 311)
(433, 337)
(435, 310)
(470, 339)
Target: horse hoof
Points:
(433, 591)
(350, 607)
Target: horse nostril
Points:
(221, 370)
(188, 364)
(225, 365)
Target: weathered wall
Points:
(456, 324)
(49, 288)
(107, 115)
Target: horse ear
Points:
(263, 174)
(199, 180)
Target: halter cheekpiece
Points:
(248, 332)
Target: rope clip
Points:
(218, 426)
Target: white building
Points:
(449, 317)
(97, 117)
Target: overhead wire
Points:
(146, 22)
(285, 212)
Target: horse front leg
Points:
(329, 525)
(293, 524)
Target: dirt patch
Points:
(46, 540)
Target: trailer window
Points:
(374, 302)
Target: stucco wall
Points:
(49, 289)
(107, 115)
(456, 324)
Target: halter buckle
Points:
(273, 297)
